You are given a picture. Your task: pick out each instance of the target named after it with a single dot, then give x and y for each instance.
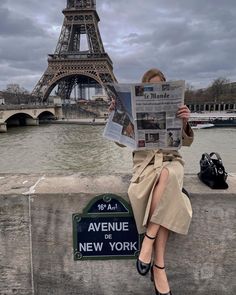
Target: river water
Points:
(76, 148)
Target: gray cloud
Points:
(187, 39)
(16, 25)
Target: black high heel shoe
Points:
(152, 279)
(142, 267)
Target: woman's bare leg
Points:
(147, 245)
(160, 277)
(152, 228)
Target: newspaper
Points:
(145, 115)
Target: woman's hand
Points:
(184, 114)
(112, 106)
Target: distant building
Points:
(99, 97)
(222, 99)
(99, 90)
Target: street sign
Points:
(105, 230)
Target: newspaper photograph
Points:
(145, 115)
(120, 125)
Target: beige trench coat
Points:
(174, 210)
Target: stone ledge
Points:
(84, 183)
(36, 254)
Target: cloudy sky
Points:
(193, 40)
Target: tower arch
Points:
(69, 59)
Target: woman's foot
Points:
(160, 280)
(145, 256)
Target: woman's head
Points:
(153, 75)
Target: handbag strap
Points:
(207, 156)
(217, 156)
(221, 171)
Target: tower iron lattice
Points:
(71, 65)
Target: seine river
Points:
(76, 148)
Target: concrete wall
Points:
(36, 251)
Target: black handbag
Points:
(212, 171)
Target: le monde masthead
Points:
(70, 65)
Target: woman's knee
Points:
(170, 175)
(164, 176)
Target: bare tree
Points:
(15, 94)
(218, 87)
(189, 91)
(16, 89)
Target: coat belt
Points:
(155, 158)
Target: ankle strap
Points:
(151, 238)
(160, 267)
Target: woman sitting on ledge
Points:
(157, 200)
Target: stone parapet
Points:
(36, 247)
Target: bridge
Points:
(27, 115)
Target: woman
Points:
(157, 200)
(158, 204)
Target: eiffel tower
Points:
(72, 66)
